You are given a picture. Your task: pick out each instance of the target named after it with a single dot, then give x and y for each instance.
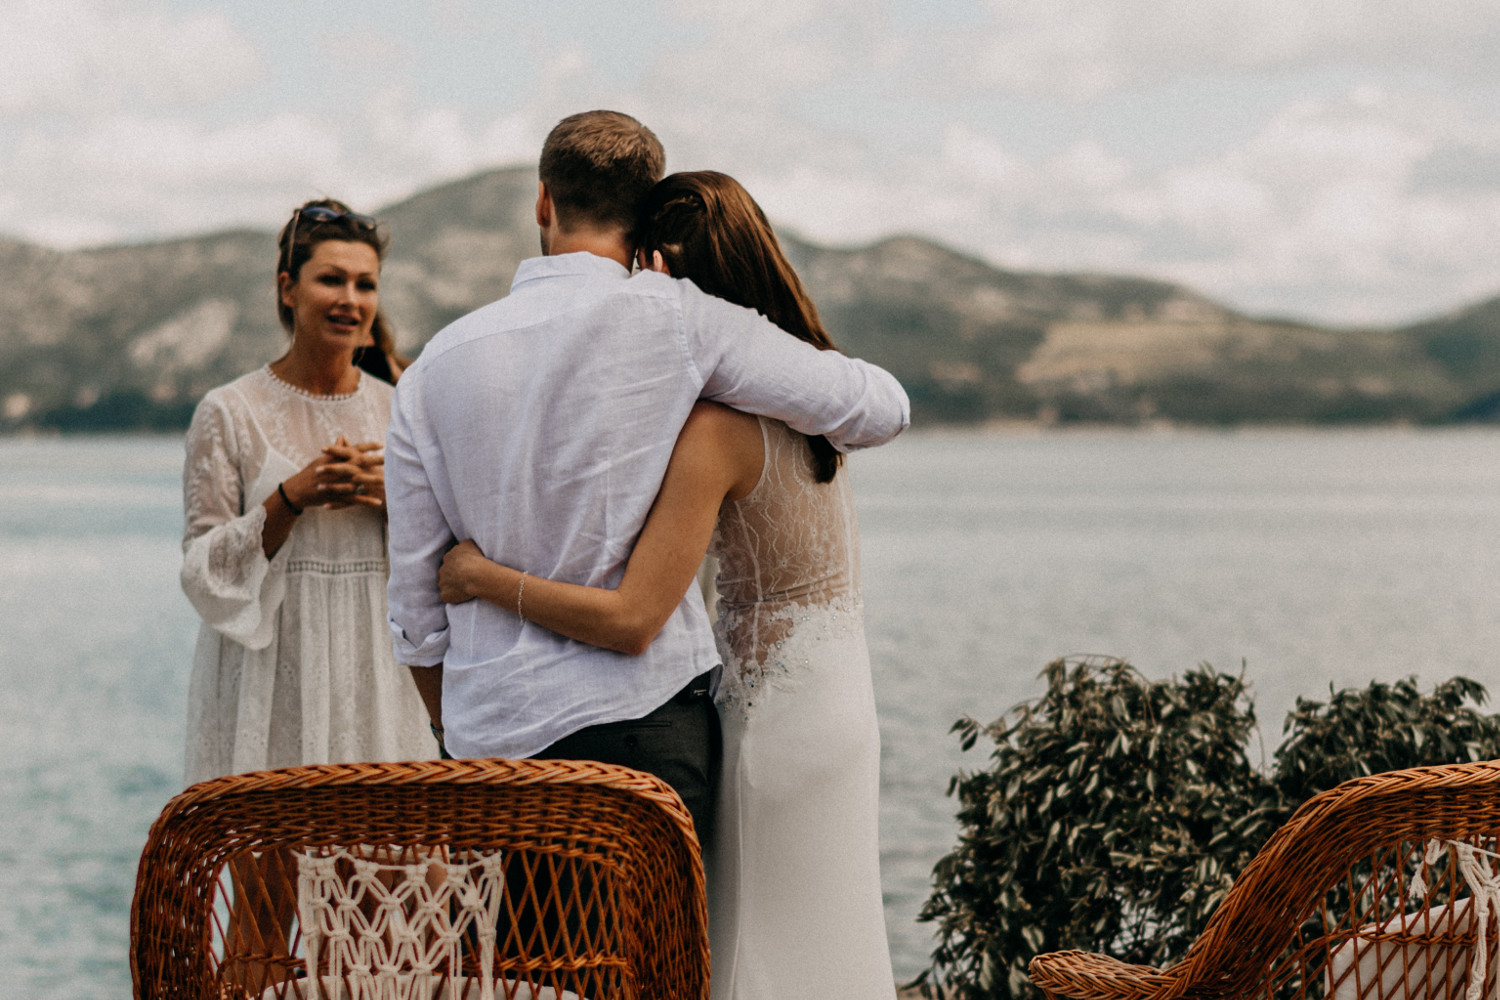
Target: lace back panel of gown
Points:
(788, 567)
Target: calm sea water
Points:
(1313, 558)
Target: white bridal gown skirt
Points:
(794, 881)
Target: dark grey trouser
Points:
(679, 742)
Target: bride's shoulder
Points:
(726, 438)
(710, 419)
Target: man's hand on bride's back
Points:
(456, 574)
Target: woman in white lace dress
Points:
(284, 551)
(794, 871)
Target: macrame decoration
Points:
(1484, 889)
(1420, 953)
(374, 930)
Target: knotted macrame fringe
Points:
(391, 931)
(1483, 885)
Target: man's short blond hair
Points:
(597, 166)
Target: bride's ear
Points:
(657, 264)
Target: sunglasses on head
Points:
(319, 214)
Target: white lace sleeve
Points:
(225, 573)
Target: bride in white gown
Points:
(793, 862)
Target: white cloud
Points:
(137, 175)
(512, 138)
(1083, 49)
(770, 55)
(1340, 208)
(1327, 210)
(1322, 198)
(173, 152)
(410, 137)
(90, 55)
(361, 47)
(565, 67)
(978, 159)
(171, 174)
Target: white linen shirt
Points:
(540, 426)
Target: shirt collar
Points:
(579, 264)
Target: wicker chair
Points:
(539, 878)
(1378, 889)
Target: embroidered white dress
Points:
(794, 881)
(293, 663)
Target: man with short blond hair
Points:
(540, 426)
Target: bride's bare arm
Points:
(718, 455)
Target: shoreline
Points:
(988, 429)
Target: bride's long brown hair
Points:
(708, 229)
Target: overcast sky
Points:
(1337, 160)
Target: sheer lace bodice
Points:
(294, 663)
(788, 567)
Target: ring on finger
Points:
(359, 487)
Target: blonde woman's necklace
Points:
(312, 382)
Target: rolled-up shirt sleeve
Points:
(419, 535)
(750, 364)
(225, 573)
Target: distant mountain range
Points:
(130, 337)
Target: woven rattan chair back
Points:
(513, 879)
(1384, 888)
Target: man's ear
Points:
(543, 205)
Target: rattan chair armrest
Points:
(1082, 975)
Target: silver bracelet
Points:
(520, 590)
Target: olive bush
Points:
(1116, 810)
(1384, 727)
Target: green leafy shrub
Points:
(1116, 810)
(1384, 727)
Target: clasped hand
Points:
(344, 475)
